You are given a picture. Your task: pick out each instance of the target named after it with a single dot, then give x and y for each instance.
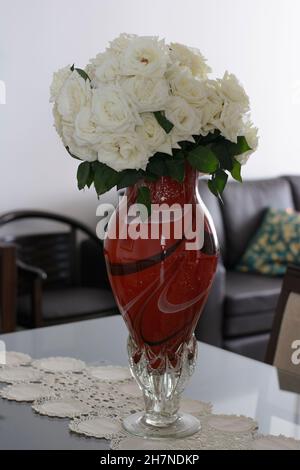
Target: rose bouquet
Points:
(144, 109)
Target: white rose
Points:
(86, 132)
(122, 152)
(104, 68)
(230, 123)
(112, 111)
(59, 78)
(212, 108)
(232, 90)
(194, 91)
(153, 135)
(118, 45)
(183, 116)
(146, 57)
(57, 121)
(147, 94)
(84, 151)
(251, 136)
(75, 93)
(191, 58)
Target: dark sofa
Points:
(240, 309)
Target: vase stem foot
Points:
(185, 425)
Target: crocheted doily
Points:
(97, 398)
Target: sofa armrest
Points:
(210, 326)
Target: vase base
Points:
(186, 425)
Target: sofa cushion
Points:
(295, 185)
(250, 303)
(275, 245)
(254, 346)
(244, 207)
(247, 293)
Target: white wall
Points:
(256, 39)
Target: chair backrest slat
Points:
(8, 288)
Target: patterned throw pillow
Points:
(275, 245)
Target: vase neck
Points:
(168, 191)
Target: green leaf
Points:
(241, 146)
(203, 159)
(105, 178)
(213, 189)
(128, 178)
(163, 121)
(220, 179)
(83, 174)
(144, 197)
(236, 171)
(157, 165)
(83, 74)
(237, 149)
(223, 154)
(91, 177)
(176, 168)
(150, 176)
(72, 155)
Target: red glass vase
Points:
(161, 276)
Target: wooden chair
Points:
(59, 278)
(284, 345)
(8, 288)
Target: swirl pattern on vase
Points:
(159, 285)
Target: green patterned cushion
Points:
(275, 245)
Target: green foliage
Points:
(81, 72)
(236, 171)
(83, 175)
(163, 121)
(105, 178)
(203, 159)
(211, 154)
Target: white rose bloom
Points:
(118, 45)
(231, 90)
(122, 152)
(84, 152)
(75, 93)
(147, 94)
(146, 57)
(153, 135)
(251, 136)
(57, 121)
(112, 111)
(191, 58)
(212, 109)
(86, 132)
(183, 116)
(104, 68)
(194, 91)
(231, 121)
(59, 78)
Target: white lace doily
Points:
(59, 364)
(96, 399)
(27, 392)
(110, 373)
(19, 374)
(13, 358)
(64, 407)
(275, 443)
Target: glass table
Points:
(234, 384)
